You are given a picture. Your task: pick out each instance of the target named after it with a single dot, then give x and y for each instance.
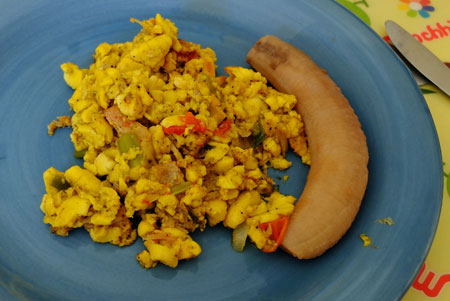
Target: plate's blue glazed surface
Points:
(405, 179)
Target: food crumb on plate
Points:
(387, 221)
(366, 240)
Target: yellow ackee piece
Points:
(72, 74)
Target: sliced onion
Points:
(240, 237)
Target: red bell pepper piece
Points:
(188, 119)
(278, 227)
(223, 128)
(175, 129)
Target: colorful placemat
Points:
(429, 22)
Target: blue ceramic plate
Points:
(405, 179)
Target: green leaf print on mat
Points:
(427, 91)
(354, 8)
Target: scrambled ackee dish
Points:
(168, 144)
